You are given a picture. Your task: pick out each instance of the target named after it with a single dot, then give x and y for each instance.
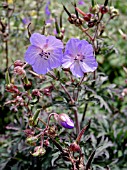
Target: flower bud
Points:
(103, 9)
(113, 12)
(94, 9)
(124, 92)
(64, 121)
(12, 88)
(74, 147)
(36, 92)
(31, 140)
(29, 132)
(46, 142)
(39, 151)
(19, 71)
(18, 63)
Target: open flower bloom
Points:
(79, 57)
(44, 54)
(64, 121)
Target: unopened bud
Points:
(74, 147)
(29, 132)
(91, 24)
(19, 71)
(12, 88)
(27, 83)
(64, 120)
(113, 12)
(36, 92)
(31, 140)
(103, 9)
(18, 63)
(94, 9)
(46, 142)
(124, 92)
(39, 151)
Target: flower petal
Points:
(71, 46)
(76, 70)
(38, 40)
(89, 64)
(67, 61)
(41, 66)
(55, 58)
(31, 54)
(54, 43)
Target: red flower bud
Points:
(18, 63)
(103, 9)
(74, 147)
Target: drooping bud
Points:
(74, 147)
(39, 151)
(64, 120)
(32, 140)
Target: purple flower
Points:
(26, 21)
(47, 11)
(81, 2)
(65, 121)
(79, 57)
(44, 54)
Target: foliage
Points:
(31, 104)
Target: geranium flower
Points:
(44, 54)
(79, 57)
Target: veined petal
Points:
(76, 70)
(67, 61)
(31, 54)
(41, 66)
(71, 46)
(55, 59)
(89, 64)
(54, 43)
(87, 50)
(38, 40)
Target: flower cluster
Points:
(46, 53)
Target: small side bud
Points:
(113, 12)
(46, 142)
(12, 88)
(94, 9)
(103, 9)
(32, 140)
(74, 147)
(19, 71)
(39, 151)
(18, 63)
(36, 92)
